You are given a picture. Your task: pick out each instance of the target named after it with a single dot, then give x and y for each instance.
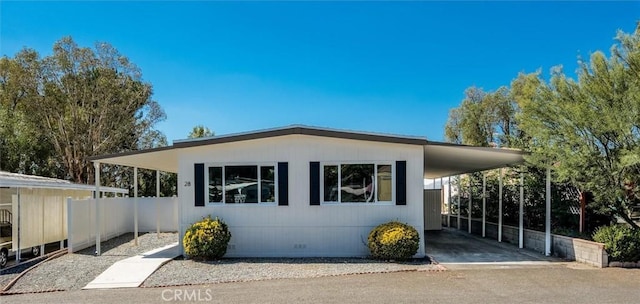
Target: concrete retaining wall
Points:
(569, 248)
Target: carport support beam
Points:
(547, 221)
(500, 205)
(158, 203)
(458, 205)
(43, 230)
(135, 205)
(18, 255)
(96, 166)
(470, 207)
(449, 205)
(521, 216)
(484, 204)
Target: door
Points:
(432, 209)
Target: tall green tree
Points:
(82, 102)
(200, 131)
(483, 119)
(470, 123)
(23, 147)
(589, 130)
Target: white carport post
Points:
(43, 231)
(547, 221)
(458, 205)
(484, 204)
(18, 255)
(521, 212)
(135, 205)
(158, 202)
(96, 166)
(449, 205)
(470, 206)
(500, 205)
(66, 203)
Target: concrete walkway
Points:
(451, 247)
(131, 272)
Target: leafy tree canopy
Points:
(587, 130)
(200, 131)
(75, 103)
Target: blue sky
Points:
(391, 67)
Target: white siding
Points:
(300, 229)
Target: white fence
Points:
(117, 217)
(37, 216)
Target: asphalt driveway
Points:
(532, 284)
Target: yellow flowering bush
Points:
(393, 241)
(207, 239)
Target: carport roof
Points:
(16, 180)
(440, 159)
(444, 159)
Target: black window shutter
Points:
(283, 184)
(314, 183)
(198, 184)
(401, 182)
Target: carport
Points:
(452, 247)
(444, 160)
(33, 210)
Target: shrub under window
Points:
(393, 241)
(207, 239)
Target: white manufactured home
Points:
(302, 191)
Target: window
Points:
(330, 183)
(357, 183)
(239, 184)
(5, 230)
(268, 183)
(383, 179)
(215, 184)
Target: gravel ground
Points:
(6, 275)
(74, 271)
(186, 272)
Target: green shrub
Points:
(207, 239)
(621, 242)
(393, 241)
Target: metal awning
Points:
(15, 180)
(444, 159)
(162, 159)
(440, 159)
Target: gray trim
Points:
(260, 134)
(302, 130)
